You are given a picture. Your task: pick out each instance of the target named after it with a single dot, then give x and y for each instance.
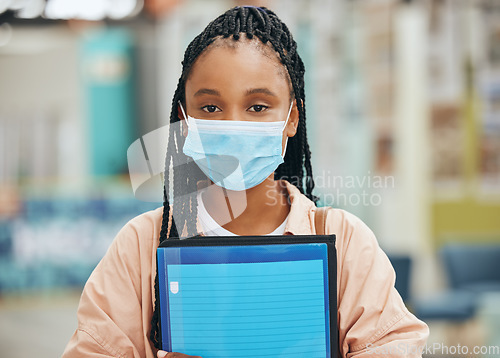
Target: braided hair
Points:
(254, 22)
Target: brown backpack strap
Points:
(320, 220)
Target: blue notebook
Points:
(262, 296)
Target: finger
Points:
(177, 355)
(161, 354)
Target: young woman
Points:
(240, 100)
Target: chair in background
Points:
(471, 269)
(474, 268)
(402, 267)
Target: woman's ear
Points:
(180, 114)
(293, 120)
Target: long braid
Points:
(268, 28)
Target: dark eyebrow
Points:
(260, 90)
(207, 91)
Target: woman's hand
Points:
(163, 354)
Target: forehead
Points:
(241, 60)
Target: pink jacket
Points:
(117, 302)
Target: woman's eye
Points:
(258, 108)
(210, 108)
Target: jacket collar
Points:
(299, 222)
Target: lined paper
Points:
(267, 309)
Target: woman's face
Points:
(241, 81)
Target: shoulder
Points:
(342, 222)
(342, 218)
(146, 224)
(139, 236)
(353, 236)
(130, 256)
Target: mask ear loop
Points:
(282, 129)
(184, 113)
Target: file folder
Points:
(249, 296)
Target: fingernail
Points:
(162, 354)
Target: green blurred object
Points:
(108, 80)
(468, 220)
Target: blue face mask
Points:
(236, 155)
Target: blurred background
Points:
(403, 110)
